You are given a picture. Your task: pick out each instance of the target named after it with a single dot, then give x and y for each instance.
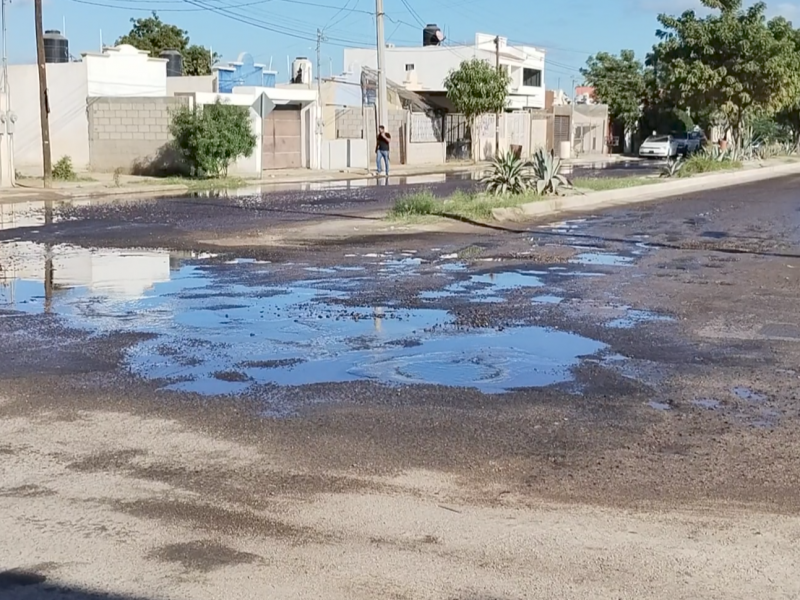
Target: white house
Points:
(121, 71)
(423, 69)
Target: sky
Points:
(568, 30)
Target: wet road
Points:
(621, 312)
(245, 411)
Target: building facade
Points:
(423, 69)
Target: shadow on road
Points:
(23, 584)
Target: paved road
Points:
(406, 407)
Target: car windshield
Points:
(657, 138)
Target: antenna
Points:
(64, 26)
(101, 40)
(270, 64)
(289, 68)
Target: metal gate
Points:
(457, 137)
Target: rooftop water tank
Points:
(174, 62)
(301, 70)
(432, 35)
(56, 47)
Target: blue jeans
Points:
(383, 156)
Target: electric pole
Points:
(497, 114)
(44, 104)
(320, 117)
(383, 106)
(7, 118)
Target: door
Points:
(282, 139)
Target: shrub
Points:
(673, 167)
(211, 137)
(63, 169)
(707, 163)
(507, 175)
(415, 205)
(547, 175)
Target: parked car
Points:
(660, 146)
(689, 142)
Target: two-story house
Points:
(423, 69)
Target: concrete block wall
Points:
(131, 134)
(358, 123)
(397, 127)
(350, 123)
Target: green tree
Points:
(155, 36)
(211, 137)
(619, 82)
(477, 88)
(727, 64)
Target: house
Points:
(111, 110)
(423, 69)
(243, 72)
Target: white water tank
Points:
(301, 70)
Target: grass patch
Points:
(198, 185)
(476, 207)
(415, 205)
(600, 184)
(697, 164)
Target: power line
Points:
(142, 9)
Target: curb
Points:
(636, 195)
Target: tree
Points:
(154, 36)
(477, 88)
(618, 81)
(211, 137)
(729, 64)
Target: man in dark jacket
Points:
(382, 149)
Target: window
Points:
(409, 67)
(532, 77)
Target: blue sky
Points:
(569, 30)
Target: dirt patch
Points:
(202, 555)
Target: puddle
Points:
(707, 403)
(661, 406)
(222, 330)
(748, 395)
(547, 299)
(487, 287)
(634, 317)
(602, 259)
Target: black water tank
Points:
(432, 35)
(56, 47)
(174, 62)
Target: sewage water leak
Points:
(223, 328)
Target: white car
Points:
(660, 146)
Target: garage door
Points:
(282, 139)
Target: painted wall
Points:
(125, 71)
(186, 85)
(67, 86)
(243, 72)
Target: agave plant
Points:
(715, 153)
(507, 175)
(673, 167)
(547, 175)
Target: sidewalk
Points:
(104, 184)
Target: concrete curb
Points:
(635, 195)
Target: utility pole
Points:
(320, 124)
(44, 104)
(383, 106)
(7, 118)
(497, 114)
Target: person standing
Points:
(382, 149)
